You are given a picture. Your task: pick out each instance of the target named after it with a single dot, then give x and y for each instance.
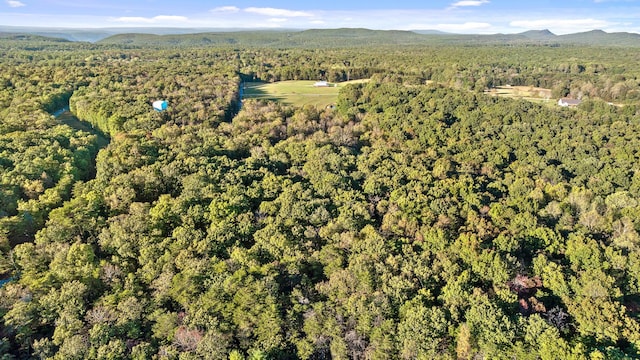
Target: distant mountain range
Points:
(94, 35)
(315, 37)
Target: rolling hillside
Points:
(295, 38)
(347, 37)
(343, 37)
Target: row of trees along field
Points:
(413, 221)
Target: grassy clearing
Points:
(530, 93)
(69, 119)
(296, 92)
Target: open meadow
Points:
(296, 92)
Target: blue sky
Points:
(457, 16)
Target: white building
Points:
(566, 102)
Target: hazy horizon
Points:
(462, 17)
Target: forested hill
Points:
(92, 34)
(347, 37)
(343, 37)
(26, 37)
(601, 37)
(277, 39)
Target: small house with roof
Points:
(566, 102)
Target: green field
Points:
(296, 92)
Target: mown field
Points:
(296, 92)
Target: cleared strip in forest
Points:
(66, 117)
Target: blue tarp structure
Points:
(160, 105)
(4, 281)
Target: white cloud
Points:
(132, 19)
(277, 12)
(317, 22)
(225, 9)
(562, 25)
(464, 3)
(277, 20)
(15, 3)
(170, 18)
(153, 20)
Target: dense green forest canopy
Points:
(418, 218)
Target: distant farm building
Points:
(566, 102)
(321, 84)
